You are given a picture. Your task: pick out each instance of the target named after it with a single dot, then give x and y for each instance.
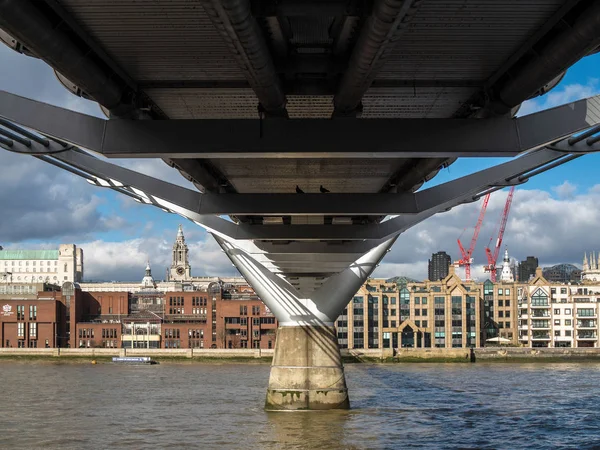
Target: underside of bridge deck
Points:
(307, 129)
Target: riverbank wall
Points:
(154, 353)
(527, 354)
(405, 355)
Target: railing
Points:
(540, 336)
(587, 335)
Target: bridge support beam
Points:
(307, 371)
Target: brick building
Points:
(217, 317)
(32, 316)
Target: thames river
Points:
(498, 405)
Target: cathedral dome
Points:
(148, 280)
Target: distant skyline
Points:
(554, 216)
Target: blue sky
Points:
(554, 216)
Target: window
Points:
(585, 312)
(423, 300)
(539, 298)
(417, 300)
(500, 302)
(424, 324)
(500, 292)
(20, 329)
(507, 314)
(568, 333)
(33, 330)
(507, 292)
(506, 302)
(568, 322)
(557, 322)
(32, 312)
(20, 312)
(500, 313)
(507, 324)
(417, 312)
(556, 311)
(563, 290)
(556, 332)
(423, 312)
(568, 311)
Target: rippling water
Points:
(44, 405)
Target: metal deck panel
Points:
(464, 39)
(282, 175)
(191, 103)
(158, 40)
(422, 103)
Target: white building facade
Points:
(591, 270)
(42, 266)
(552, 315)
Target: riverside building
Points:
(446, 313)
(42, 266)
(558, 315)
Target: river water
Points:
(496, 405)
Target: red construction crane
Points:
(493, 258)
(466, 259)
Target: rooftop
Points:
(28, 254)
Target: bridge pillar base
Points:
(307, 371)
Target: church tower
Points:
(506, 274)
(180, 266)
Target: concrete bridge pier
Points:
(307, 372)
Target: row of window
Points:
(244, 310)
(109, 333)
(199, 301)
(172, 333)
(176, 301)
(33, 263)
(21, 312)
(32, 329)
(86, 333)
(244, 320)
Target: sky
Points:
(555, 216)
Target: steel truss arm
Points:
(304, 138)
(444, 196)
(184, 202)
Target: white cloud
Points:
(555, 229)
(561, 95)
(565, 190)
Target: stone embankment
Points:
(154, 353)
(405, 355)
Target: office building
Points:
(562, 273)
(527, 269)
(42, 266)
(438, 266)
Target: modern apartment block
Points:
(558, 315)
